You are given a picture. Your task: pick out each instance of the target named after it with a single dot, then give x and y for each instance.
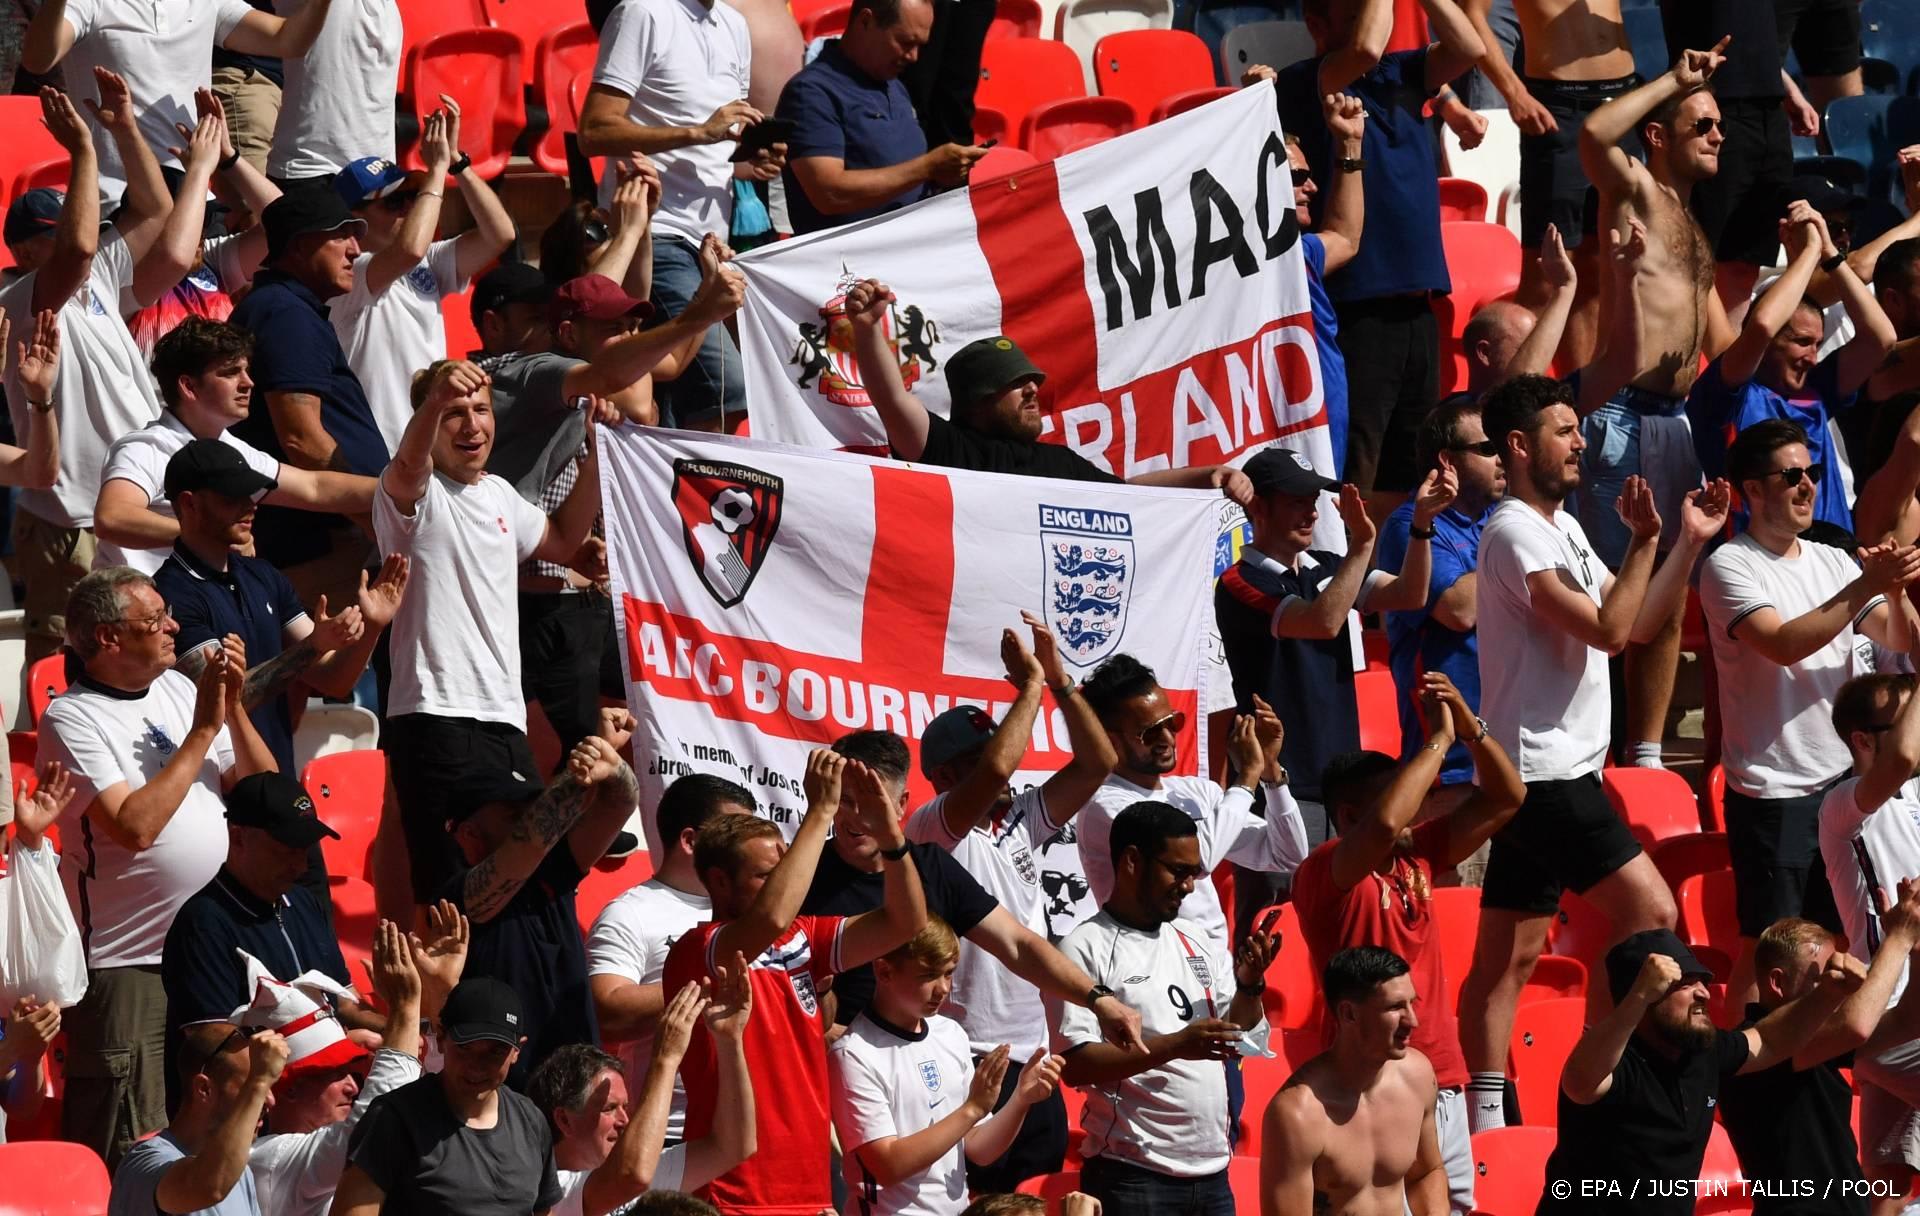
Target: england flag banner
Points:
(1156, 278)
(771, 599)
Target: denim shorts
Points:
(1618, 447)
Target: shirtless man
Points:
(1352, 1132)
(1577, 58)
(1642, 429)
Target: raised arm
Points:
(626, 256)
(736, 1138)
(1616, 366)
(262, 33)
(1498, 789)
(903, 909)
(250, 752)
(1784, 1032)
(1366, 42)
(407, 475)
(1407, 590)
(1534, 357)
(993, 1135)
(971, 801)
(493, 231)
(1885, 568)
(206, 1177)
(892, 1159)
(491, 884)
(1895, 763)
(622, 362)
(1853, 1024)
(1588, 1073)
(1703, 515)
(1801, 232)
(1093, 756)
(1608, 625)
(410, 245)
(1324, 616)
(1873, 335)
(571, 521)
(148, 202)
(780, 897)
(173, 253)
(900, 411)
(596, 762)
(77, 236)
(1608, 165)
(1370, 841)
(1456, 47)
(1345, 214)
(36, 361)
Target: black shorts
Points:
(1565, 836)
(1824, 34)
(1393, 379)
(564, 642)
(1553, 183)
(426, 755)
(1740, 207)
(1777, 870)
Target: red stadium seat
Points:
(46, 679)
(1462, 199)
(1708, 914)
(804, 9)
(354, 914)
(52, 174)
(1510, 1169)
(1374, 644)
(421, 20)
(602, 886)
(1017, 74)
(23, 748)
(1293, 990)
(28, 145)
(1722, 1185)
(1580, 930)
(1456, 923)
(1015, 19)
(1716, 808)
(1143, 67)
(560, 55)
(480, 69)
(990, 125)
(1379, 711)
(1654, 803)
(1054, 128)
(1679, 858)
(1555, 976)
(829, 22)
(52, 1178)
(1483, 261)
(1264, 1078)
(1192, 99)
(536, 21)
(348, 789)
(1000, 162)
(1051, 1187)
(456, 316)
(1544, 1034)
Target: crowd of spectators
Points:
(245, 471)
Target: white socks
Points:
(1486, 1101)
(1645, 755)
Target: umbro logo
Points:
(1135, 979)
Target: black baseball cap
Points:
(483, 1008)
(987, 366)
(210, 464)
(275, 803)
(1821, 193)
(475, 788)
(512, 283)
(954, 733)
(1625, 960)
(301, 212)
(1285, 471)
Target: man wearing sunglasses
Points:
(1787, 617)
(1773, 369)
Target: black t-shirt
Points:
(430, 1163)
(959, 447)
(1649, 1129)
(1872, 429)
(534, 944)
(1752, 69)
(1791, 1127)
(838, 889)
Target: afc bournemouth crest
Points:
(1087, 560)
(824, 352)
(728, 515)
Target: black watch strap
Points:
(1096, 992)
(894, 854)
(1833, 263)
(460, 165)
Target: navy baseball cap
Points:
(35, 213)
(373, 177)
(952, 734)
(292, 216)
(1285, 471)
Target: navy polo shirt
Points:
(839, 111)
(1402, 254)
(295, 350)
(1417, 643)
(250, 598)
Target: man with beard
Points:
(1549, 614)
(1354, 1129)
(1638, 1092)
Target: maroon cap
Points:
(596, 297)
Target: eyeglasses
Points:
(1791, 475)
(147, 624)
(1486, 447)
(234, 1038)
(1181, 873)
(1173, 724)
(1302, 177)
(1703, 125)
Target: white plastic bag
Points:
(40, 951)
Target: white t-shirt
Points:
(141, 458)
(992, 1003)
(391, 336)
(296, 1173)
(679, 60)
(337, 103)
(1777, 729)
(1543, 692)
(124, 901)
(104, 390)
(1869, 853)
(1171, 1119)
(887, 1082)
(667, 1176)
(456, 638)
(631, 939)
(164, 49)
(1229, 831)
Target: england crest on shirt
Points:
(157, 736)
(421, 280)
(930, 1075)
(1023, 865)
(1200, 970)
(803, 989)
(1087, 567)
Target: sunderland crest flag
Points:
(771, 599)
(1157, 279)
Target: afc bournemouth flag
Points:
(1157, 279)
(772, 599)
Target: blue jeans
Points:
(1135, 1191)
(1613, 454)
(715, 385)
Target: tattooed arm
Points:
(492, 883)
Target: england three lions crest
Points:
(728, 516)
(1088, 566)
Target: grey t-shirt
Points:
(535, 431)
(430, 1163)
(138, 1177)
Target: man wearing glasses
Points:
(152, 753)
(1787, 617)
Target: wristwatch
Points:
(1063, 690)
(1833, 263)
(1352, 164)
(460, 165)
(1420, 533)
(1254, 989)
(894, 854)
(1096, 992)
(1483, 729)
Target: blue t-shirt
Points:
(1326, 340)
(295, 350)
(251, 598)
(1402, 253)
(137, 1180)
(1718, 411)
(839, 111)
(1417, 643)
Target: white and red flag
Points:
(771, 599)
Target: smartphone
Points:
(989, 143)
(1268, 922)
(761, 136)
